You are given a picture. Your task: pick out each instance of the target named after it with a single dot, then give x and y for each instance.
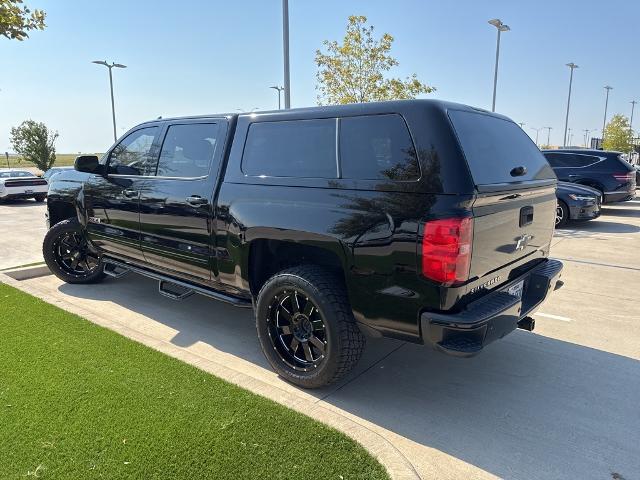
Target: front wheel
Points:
(306, 327)
(562, 214)
(69, 256)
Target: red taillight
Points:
(446, 250)
(624, 177)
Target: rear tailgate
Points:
(514, 212)
(510, 226)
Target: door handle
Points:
(130, 193)
(196, 200)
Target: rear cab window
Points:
(188, 150)
(493, 147)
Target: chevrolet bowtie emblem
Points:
(522, 241)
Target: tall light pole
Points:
(113, 108)
(633, 106)
(570, 137)
(279, 89)
(548, 135)
(537, 132)
(285, 50)
(606, 104)
(586, 131)
(501, 27)
(572, 66)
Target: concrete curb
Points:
(26, 273)
(396, 464)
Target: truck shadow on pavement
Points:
(528, 407)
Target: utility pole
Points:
(501, 27)
(572, 66)
(285, 49)
(606, 104)
(548, 135)
(633, 106)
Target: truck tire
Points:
(40, 197)
(69, 256)
(306, 327)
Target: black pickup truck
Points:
(420, 220)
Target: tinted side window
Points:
(583, 160)
(295, 148)
(133, 156)
(555, 159)
(493, 147)
(187, 150)
(377, 147)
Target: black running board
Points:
(117, 269)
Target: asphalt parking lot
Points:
(561, 402)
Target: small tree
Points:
(353, 71)
(618, 135)
(35, 143)
(15, 22)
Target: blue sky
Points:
(196, 57)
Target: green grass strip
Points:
(79, 401)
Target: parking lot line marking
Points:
(612, 265)
(555, 317)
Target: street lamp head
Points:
(119, 65)
(100, 62)
(572, 65)
(496, 22)
(276, 87)
(607, 87)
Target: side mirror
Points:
(87, 164)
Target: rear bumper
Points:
(611, 197)
(491, 317)
(27, 192)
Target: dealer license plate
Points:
(516, 290)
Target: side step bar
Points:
(171, 287)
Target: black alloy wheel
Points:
(306, 326)
(72, 254)
(297, 330)
(69, 255)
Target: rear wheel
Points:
(306, 327)
(69, 256)
(562, 214)
(40, 197)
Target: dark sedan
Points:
(576, 202)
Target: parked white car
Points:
(22, 184)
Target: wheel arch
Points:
(268, 256)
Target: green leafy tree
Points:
(618, 134)
(35, 143)
(354, 71)
(17, 19)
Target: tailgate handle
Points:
(526, 216)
